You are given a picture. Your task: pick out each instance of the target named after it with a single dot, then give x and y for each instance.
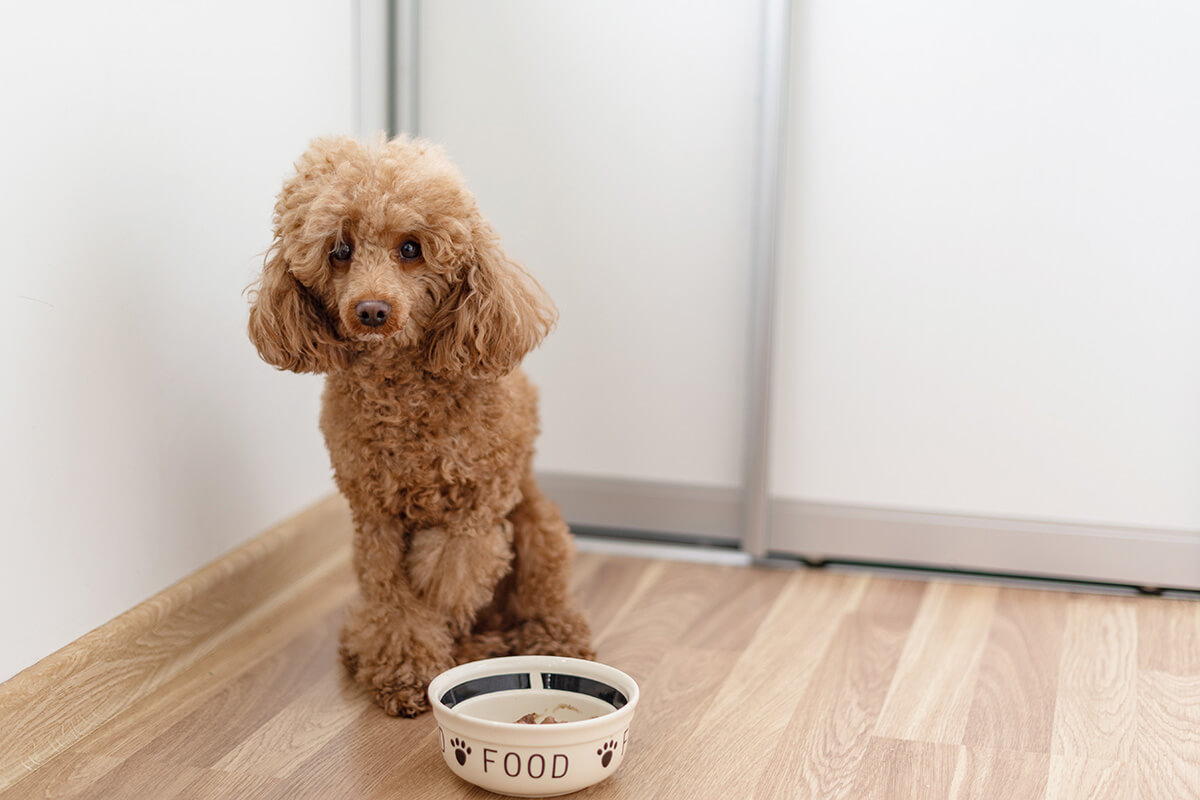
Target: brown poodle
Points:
(384, 276)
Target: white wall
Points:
(610, 143)
(142, 437)
(991, 289)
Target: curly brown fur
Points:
(429, 423)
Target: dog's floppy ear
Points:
(493, 316)
(287, 323)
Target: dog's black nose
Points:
(373, 313)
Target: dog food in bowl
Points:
(533, 726)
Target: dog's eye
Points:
(410, 250)
(341, 252)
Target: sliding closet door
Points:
(611, 143)
(989, 337)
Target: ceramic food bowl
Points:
(477, 707)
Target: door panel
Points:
(610, 143)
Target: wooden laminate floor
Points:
(756, 684)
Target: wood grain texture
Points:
(364, 758)
(644, 628)
(43, 709)
(313, 602)
(1013, 703)
(985, 774)
(605, 586)
(745, 717)
(895, 768)
(1169, 635)
(154, 729)
(1074, 778)
(756, 683)
(820, 752)
(285, 740)
(1168, 735)
(214, 783)
(1096, 712)
(746, 598)
(930, 697)
(675, 697)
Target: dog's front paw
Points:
(402, 700)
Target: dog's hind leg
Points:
(545, 620)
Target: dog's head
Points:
(382, 245)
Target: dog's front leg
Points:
(455, 568)
(414, 600)
(394, 651)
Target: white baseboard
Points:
(1078, 551)
(607, 545)
(679, 511)
(823, 531)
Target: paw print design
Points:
(606, 753)
(461, 751)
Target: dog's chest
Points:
(424, 452)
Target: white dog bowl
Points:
(477, 706)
